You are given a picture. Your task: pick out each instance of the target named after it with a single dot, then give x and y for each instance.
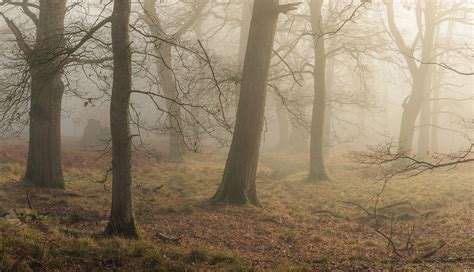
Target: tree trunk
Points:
(327, 137)
(168, 85)
(427, 72)
(122, 218)
(317, 170)
(423, 149)
(238, 182)
(44, 155)
(419, 74)
(247, 7)
(283, 126)
(167, 79)
(411, 108)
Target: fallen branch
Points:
(166, 238)
(330, 213)
(433, 251)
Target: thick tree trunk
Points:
(122, 218)
(44, 154)
(238, 182)
(317, 170)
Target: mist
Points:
(225, 135)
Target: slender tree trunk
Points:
(167, 82)
(168, 85)
(283, 126)
(327, 137)
(413, 103)
(423, 149)
(122, 218)
(411, 109)
(44, 155)
(238, 182)
(427, 73)
(316, 164)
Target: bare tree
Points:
(41, 85)
(238, 182)
(317, 170)
(44, 155)
(429, 16)
(164, 47)
(122, 219)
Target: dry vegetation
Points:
(302, 226)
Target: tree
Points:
(238, 182)
(45, 60)
(421, 74)
(122, 219)
(317, 170)
(163, 46)
(45, 67)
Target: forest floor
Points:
(302, 226)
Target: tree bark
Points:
(317, 171)
(122, 219)
(238, 182)
(44, 154)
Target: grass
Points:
(289, 233)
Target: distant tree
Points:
(421, 74)
(238, 182)
(122, 219)
(164, 45)
(317, 170)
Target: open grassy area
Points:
(302, 226)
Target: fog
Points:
(354, 115)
